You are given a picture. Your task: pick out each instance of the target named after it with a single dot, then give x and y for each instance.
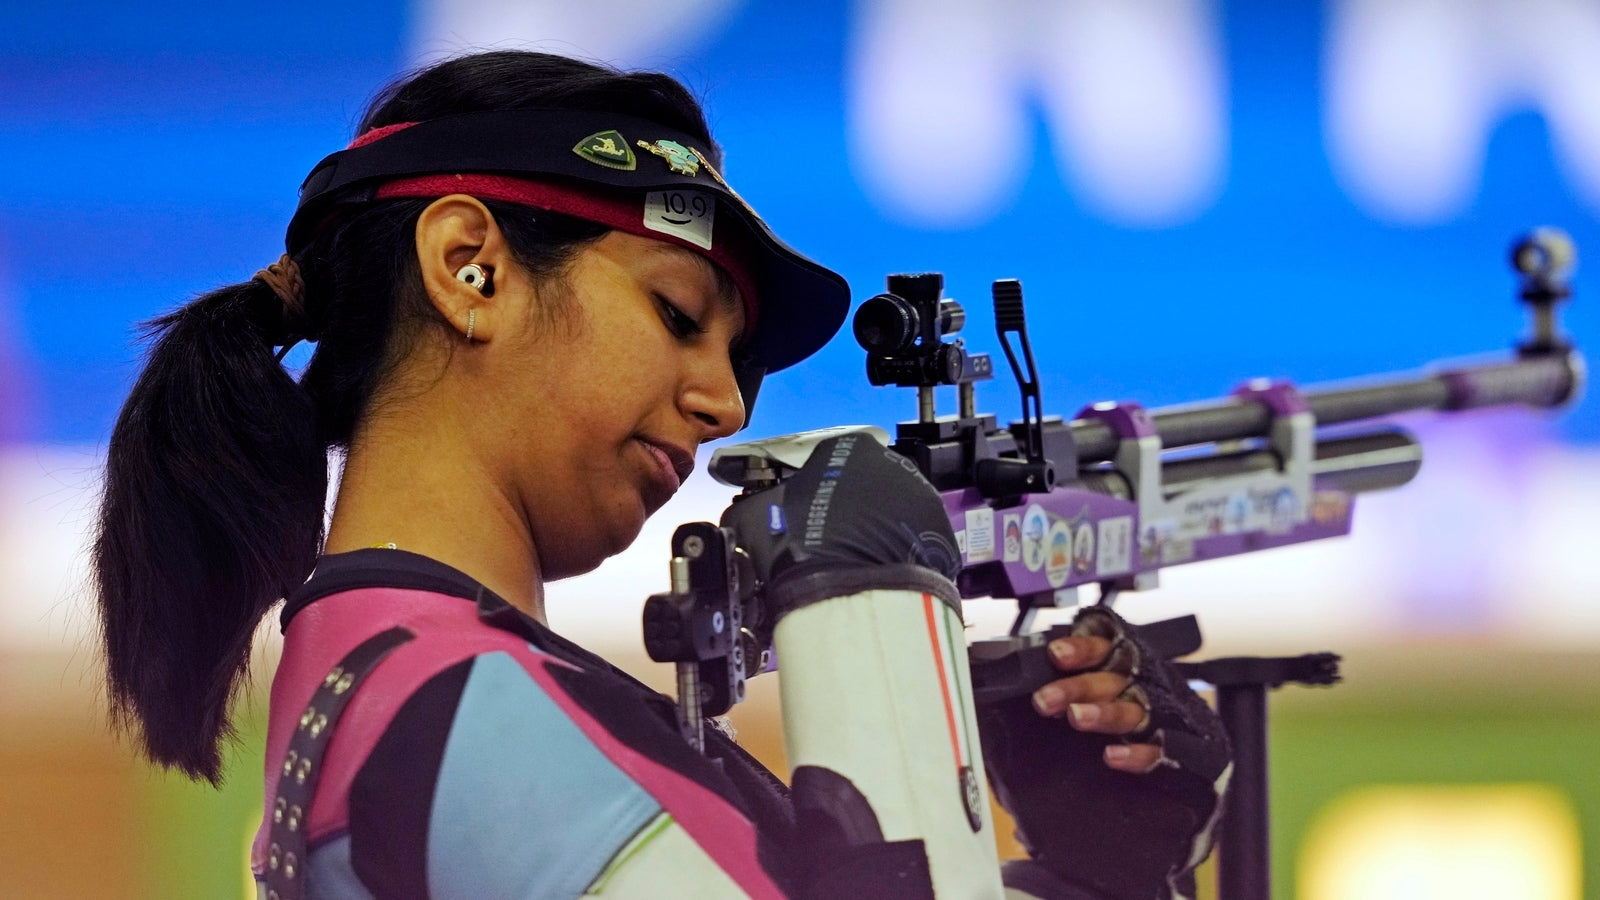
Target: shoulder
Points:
(511, 768)
(439, 632)
(483, 734)
(492, 766)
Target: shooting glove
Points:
(857, 516)
(1118, 834)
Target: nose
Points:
(711, 397)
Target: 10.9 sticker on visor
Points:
(683, 214)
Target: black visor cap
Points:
(800, 304)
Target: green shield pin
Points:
(607, 148)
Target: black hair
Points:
(216, 477)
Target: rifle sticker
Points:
(1330, 507)
(1237, 513)
(1034, 526)
(1176, 550)
(980, 534)
(1013, 536)
(1209, 512)
(1285, 510)
(687, 215)
(607, 148)
(1151, 537)
(1203, 513)
(1058, 554)
(1083, 548)
(1164, 543)
(1116, 546)
(961, 542)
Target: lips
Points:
(672, 463)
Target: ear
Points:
(453, 232)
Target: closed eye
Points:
(681, 324)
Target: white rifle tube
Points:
(876, 689)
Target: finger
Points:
(1071, 653)
(1119, 717)
(1135, 758)
(1089, 687)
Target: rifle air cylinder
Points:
(1371, 461)
(1539, 381)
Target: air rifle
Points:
(1047, 506)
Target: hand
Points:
(1101, 697)
(1136, 832)
(854, 505)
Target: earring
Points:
(475, 276)
(472, 322)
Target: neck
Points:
(410, 489)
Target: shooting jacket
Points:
(484, 756)
(488, 757)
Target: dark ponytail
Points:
(215, 483)
(216, 479)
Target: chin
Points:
(573, 569)
(575, 562)
(651, 500)
(585, 553)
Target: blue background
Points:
(150, 154)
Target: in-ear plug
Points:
(475, 276)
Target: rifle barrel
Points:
(1537, 381)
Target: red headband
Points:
(618, 210)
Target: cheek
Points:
(619, 352)
(582, 481)
(609, 397)
(582, 478)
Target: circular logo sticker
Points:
(1285, 510)
(1083, 548)
(1034, 526)
(1058, 554)
(1238, 513)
